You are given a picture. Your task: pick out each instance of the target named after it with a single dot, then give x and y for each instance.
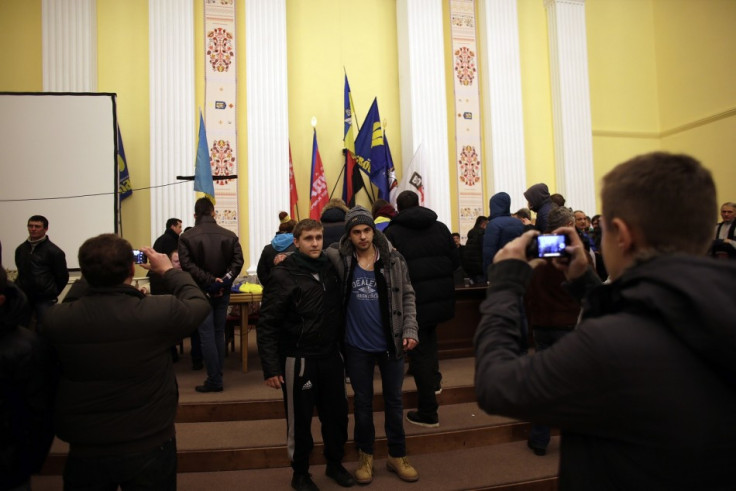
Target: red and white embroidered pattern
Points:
(220, 49)
(469, 166)
(465, 65)
(222, 160)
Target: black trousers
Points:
(151, 470)
(311, 382)
(426, 370)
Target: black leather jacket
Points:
(209, 251)
(42, 272)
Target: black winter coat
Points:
(26, 395)
(473, 252)
(118, 393)
(432, 257)
(167, 243)
(644, 389)
(333, 221)
(300, 315)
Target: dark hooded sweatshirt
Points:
(501, 229)
(540, 203)
(644, 389)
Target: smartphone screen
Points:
(551, 245)
(139, 257)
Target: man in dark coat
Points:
(42, 272)
(432, 257)
(501, 229)
(472, 254)
(169, 240)
(212, 255)
(117, 396)
(26, 392)
(644, 389)
(540, 203)
(333, 220)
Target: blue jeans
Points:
(360, 366)
(154, 469)
(212, 336)
(543, 339)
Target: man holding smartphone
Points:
(117, 394)
(644, 389)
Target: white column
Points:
(172, 112)
(424, 97)
(502, 108)
(268, 121)
(69, 31)
(573, 132)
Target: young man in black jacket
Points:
(299, 332)
(644, 389)
(42, 272)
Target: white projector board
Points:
(57, 159)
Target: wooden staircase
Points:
(236, 439)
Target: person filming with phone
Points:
(117, 394)
(644, 388)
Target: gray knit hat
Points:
(358, 216)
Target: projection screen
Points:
(57, 159)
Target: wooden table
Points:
(244, 300)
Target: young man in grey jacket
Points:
(380, 316)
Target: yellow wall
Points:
(122, 67)
(536, 93)
(696, 74)
(623, 83)
(323, 36)
(21, 67)
(661, 76)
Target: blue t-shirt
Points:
(364, 328)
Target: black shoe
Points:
(414, 418)
(197, 365)
(303, 482)
(340, 475)
(539, 452)
(207, 388)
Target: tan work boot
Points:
(364, 472)
(402, 468)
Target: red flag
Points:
(318, 196)
(293, 196)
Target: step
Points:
(499, 467)
(253, 444)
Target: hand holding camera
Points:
(152, 260)
(563, 246)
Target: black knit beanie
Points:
(358, 216)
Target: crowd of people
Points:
(632, 330)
